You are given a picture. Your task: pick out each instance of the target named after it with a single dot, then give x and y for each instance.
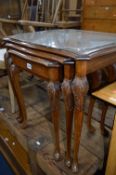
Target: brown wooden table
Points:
(45, 65)
(72, 54)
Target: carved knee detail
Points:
(54, 94)
(68, 96)
(79, 89)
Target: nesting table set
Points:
(63, 58)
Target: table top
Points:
(107, 93)
(84, 44)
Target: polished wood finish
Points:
(69, 107)
(79, 89)
(53, 88)
(79, 86)
(53, 73)
(54, 95)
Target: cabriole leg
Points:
(54, 96)
(14, 75)
(69, 107)
(79, 89)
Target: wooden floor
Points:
(37, 140)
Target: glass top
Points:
(76, 41)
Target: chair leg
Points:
(104, 110)
(12, 97)
(89, 116)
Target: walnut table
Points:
(72, 54)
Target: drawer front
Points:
(33, 68)
(47, 73)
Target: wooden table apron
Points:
(74, 85)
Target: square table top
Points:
(80, 42)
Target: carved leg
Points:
(8, 63)
(14, 75)
(69, 103)
(89, 116)
(54, 95)
(104, 110)
(79, 89)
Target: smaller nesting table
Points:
(64, 58)
(48, 66)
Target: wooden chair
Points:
(2, 66)
(108, 95)
(98, 80)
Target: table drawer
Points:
(46, 72)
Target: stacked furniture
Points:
(60, 56)
(98, 80)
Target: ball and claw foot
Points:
(75, 168)
(57, 156)
(68, 163)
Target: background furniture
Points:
(9, 14)
(52, 13)
(97, 80)
(99, 15)
(108, 94)
(2, 66)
